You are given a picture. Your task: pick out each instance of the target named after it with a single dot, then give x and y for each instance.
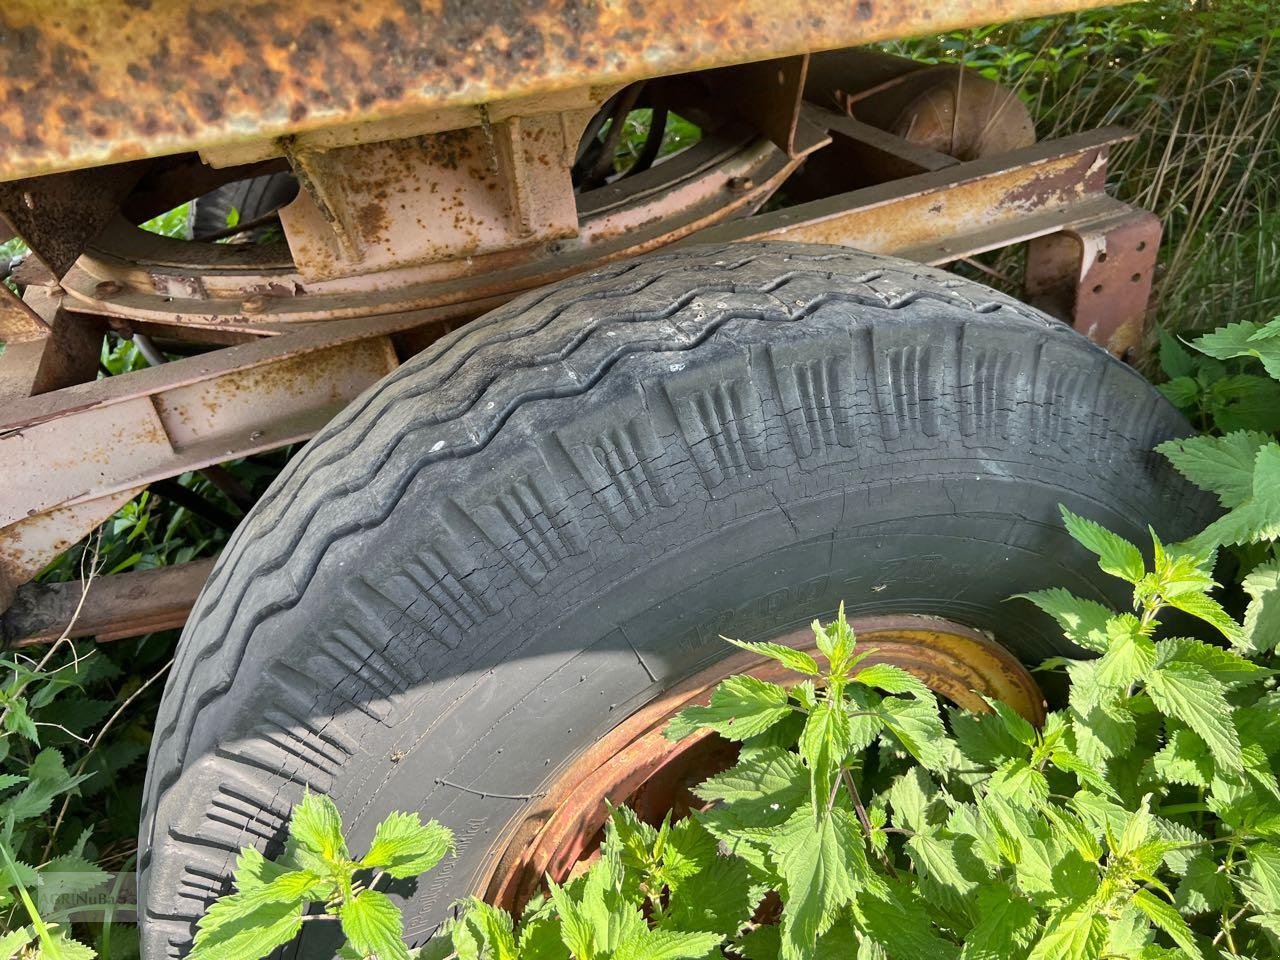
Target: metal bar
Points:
(123, 605)
(67, 355)
(33, 542)
(195, 75)
(907, 157)
(917, 210)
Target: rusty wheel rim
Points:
(635, 764)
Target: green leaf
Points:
(1262, 617)
(667, 945)
(1221, 465)
(317, 825)
(789, 657)
(1184, 759)
(836, 642)
(1211, 612)
(891, 679)
(911, 796)
(373, 925)
(1167, 918)
(1245, 402)
(1182, 392)
(741, 707)
(1007, 923)
(1203, 887)
(1261, 882)
(1243, 339)
(1073, 932)
(1187, 692)
(1175, 359)
(1116, 556)
(404, 846)
(1257, 518)
(1020, 783)
(917, 726)
(1130, 653)
(935, 861)
(15, 940)
(761, 791)
(1083, 622)
(823, 866)
(227, 932)
(824, 742)
(1227, 667)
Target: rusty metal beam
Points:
(114, 80)
(66, 353)
(113, 607)
(921, 209)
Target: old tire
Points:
(550, 516)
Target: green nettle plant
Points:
(272, 898)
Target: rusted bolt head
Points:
(741, 184)
(107, 288)
(255, 304)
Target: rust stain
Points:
(84, 84)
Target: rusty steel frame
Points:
(96, 83)
(636, 765)
(73, 453)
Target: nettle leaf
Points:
(761, 791)
(1166, 918)
(647, 944)
(1116, 555)
(824, 743)
(789, 657)
(373, 925)
(917, 726)
(484, 931)
(1203, 887)
(1262, 617)
(894, 915)
(1175, 359)
(1102, 721)
(720, 898)
(1244, 339)
(1260, 882)
(1020, 783)
(1187, 692)
(911, 796)
(1182, 392)
(1210, 611)
(823, 865)
(1083, 622)
(1221, 465)
(1072, 932)
(1227, 667)
(317, 825)
(404, 846)
(1184, 759)
(1130, 653)
(1257, 518)
(741, 707)
(1243, 401)
(1007, 924)
(891, 679)
(245, 928)
(935, 861)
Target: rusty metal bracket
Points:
(1096, 273)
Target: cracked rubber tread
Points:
(244, 725)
